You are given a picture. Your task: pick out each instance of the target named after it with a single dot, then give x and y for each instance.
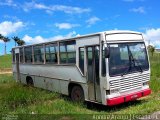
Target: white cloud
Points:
(58, 37)
(49, 9)
(36, 39)
(152, 36)
(8, 3)
(8, 27)
(138, 10)
(66, 25)
(49, 12)
(92, 21)
(14, 18)
(40, 39)
(69, 9)
(1, 41)
(52, 8)
(71, 34)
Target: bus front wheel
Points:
(77, 94)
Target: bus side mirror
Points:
(107, 53)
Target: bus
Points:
(109, 68)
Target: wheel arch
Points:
(29, 79)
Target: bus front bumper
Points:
(128, 97)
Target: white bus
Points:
(109, 68)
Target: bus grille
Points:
(129, 83)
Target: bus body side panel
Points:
(51, 77)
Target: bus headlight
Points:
(115, 90)
(146, 83)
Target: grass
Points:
(5, 61)
(19, 99)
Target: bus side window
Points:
(63, 53)
(21, 55)
(67, 52)
(71, 52)
(81, 59)
(51, 53)
(28, 54)
(38, 54)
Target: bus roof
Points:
(87, 35)
(121, 31)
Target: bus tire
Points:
(29, 81)
(77, 94)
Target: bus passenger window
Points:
(63, 53)
(51, 53)
(21, 55)
(81, 59)
(71, 51)
(67, 52)
(38, 54)
(28, 54)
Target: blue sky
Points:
(40, 20)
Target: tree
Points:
(16, 39)
(20, 42)
(5, 40)
(1, 37)
(151, 49)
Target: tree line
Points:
(16, 39)
(151, 49)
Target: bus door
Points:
(92, 56)
(17, 64)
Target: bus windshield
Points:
(127, 58)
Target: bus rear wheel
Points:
(29, 81)
(77, 94)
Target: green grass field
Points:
(16, 98)
(5, 61)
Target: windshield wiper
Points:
(134, 62)
(126, 71)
